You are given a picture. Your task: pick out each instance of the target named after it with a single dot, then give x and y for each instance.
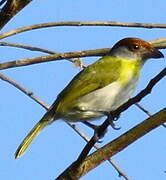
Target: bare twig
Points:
(74, 171)
(73, 126)
(114, 164)
(143, 109)
(24, 90)
(27, 47)
(10, 9)
(160, 46)
(58, 56)
(2, 2)
(158, 41)
(79, 24)
(33, 48)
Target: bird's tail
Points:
(47, 118)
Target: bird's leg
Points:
(92, 126)
(111, 121)
(95, 128)
(98, 134)
(102, 129)
(87, 123)
(116, 118)
(110, 117)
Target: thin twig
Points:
(158, 41)
(143, 109)
(57, 56)
(34, 48)
(79, 24)
(10, 9)
(24, 90)
(2, 2)
(73, 126)
(160, 46)
(146, 111)
(54, 57)
(27, 47)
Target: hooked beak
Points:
(155, 53)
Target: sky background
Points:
(58, 145)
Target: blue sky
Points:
(58, 145)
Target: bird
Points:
(99, 88)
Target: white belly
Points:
(102, 99)
(97, 103)
(106, 99)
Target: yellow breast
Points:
(130, 69)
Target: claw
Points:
(116, 118)
(112, 124)
(164, 125)
(100, 141)
(98, 137)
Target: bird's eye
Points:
(134, 47)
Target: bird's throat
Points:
(129, 70)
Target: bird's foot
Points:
(99, 134)
(96, 131)
(92, 126)
(164, 125)
(111, 121)
(95, 128)
(116, 118)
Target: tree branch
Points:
(34, 48)
(61, 56)
(143, 109)
(79, 24)
(58, 56)
(27, 47)
(75, 171)
(2, 2)
(10, 9)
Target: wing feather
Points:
(97, 75)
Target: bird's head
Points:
(135, 49)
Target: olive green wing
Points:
(98, 75)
